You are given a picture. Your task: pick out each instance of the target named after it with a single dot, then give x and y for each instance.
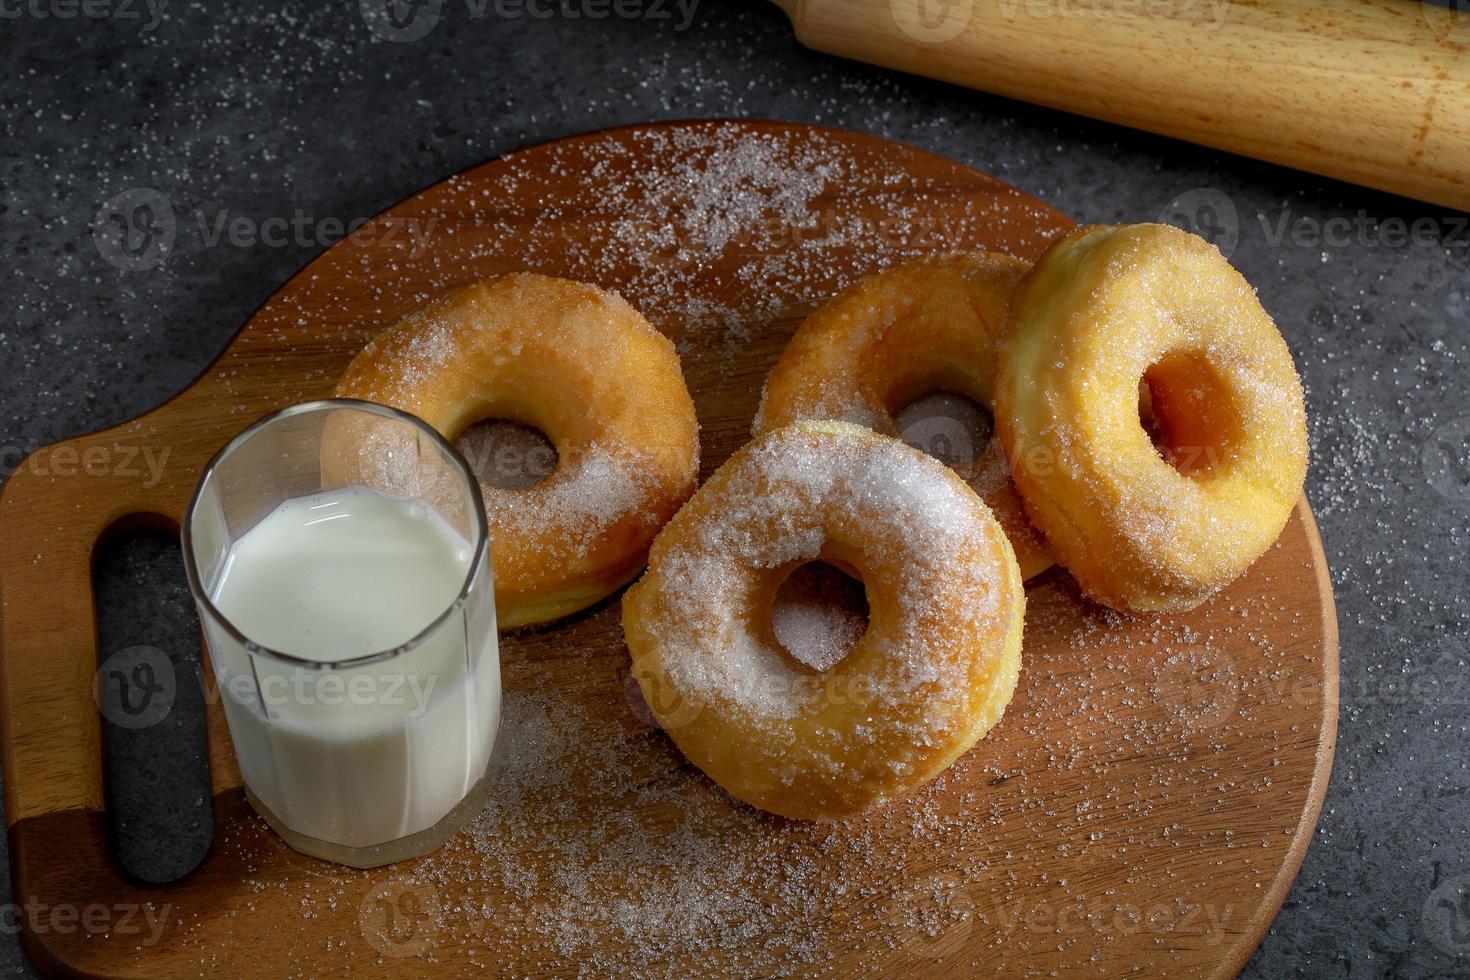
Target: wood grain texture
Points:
(1376, 92)
(1143, 806)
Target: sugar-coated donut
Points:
(605, 387)
(931, 324)
(931, 675)
(1117, 322)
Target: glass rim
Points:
(478, 550)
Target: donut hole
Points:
(819, 614)
(951, 427)
(506, 454)
(1188, 413)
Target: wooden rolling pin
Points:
(1371, 91)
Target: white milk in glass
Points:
(358, 756)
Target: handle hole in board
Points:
(149, 691)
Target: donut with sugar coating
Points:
(931, 675)
(1119, 322)
(605, 387)
(931, 324)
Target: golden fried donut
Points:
(1110, 311)
(931, 675)
(932, 324)
(605, 387)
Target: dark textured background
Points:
(259, 110)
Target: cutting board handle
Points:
(59, 503)
(1376, 92)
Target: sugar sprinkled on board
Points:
(741, 228)
(602, 852)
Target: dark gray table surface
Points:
(266, 111)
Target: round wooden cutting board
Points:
(1142, 808)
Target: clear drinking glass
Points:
(379, 756)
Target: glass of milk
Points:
(339, 556)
